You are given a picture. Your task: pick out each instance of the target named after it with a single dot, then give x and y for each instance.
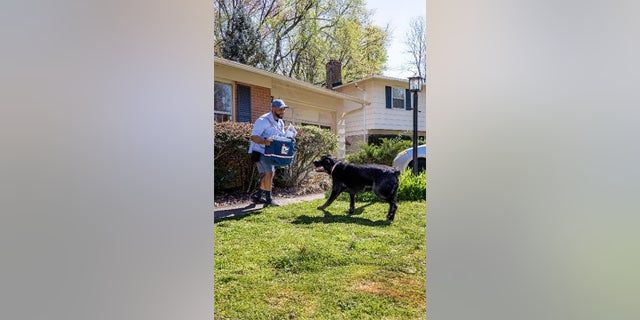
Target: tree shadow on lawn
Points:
(343, 218)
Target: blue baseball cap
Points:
(277, 103)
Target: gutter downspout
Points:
(362, 107)
(344, 114)
(364, 113)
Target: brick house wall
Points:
(260, 102)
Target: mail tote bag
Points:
(280, 153)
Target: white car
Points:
(404, 159)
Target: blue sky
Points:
(397, 13)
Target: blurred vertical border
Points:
(532, 110)
(106, 160)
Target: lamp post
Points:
(415, 86)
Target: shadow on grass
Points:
(330, 218)
(236, 213)
(361, 209)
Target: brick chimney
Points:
(334, 73)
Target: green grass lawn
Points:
(296, 262)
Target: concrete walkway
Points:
(246, 207)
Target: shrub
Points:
(377, 138)
(233, 166)
(382, 154)
(411, 188)
(311, 143)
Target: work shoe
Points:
(270, 202)
(255, 198)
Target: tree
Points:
(242, 41)
(337, 30)
(368, 55)
(301, 36)
(416, 43)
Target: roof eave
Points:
(376, 77)
(289, 80)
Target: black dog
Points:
(354, 179)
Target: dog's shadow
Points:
(328, 217)
(359, 210)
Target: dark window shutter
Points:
(407, 99)
(387, 91)
(244, 104)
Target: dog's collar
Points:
(334, 166)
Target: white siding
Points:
(377, 116)
(354, 115)
(308, 107)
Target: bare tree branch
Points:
(416, 43)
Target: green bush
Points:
(377, 138)
(232, 162)
(311, 143)
(411, 188)
(382, 154)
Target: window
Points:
(222, 102)
(398, 97)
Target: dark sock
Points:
(267, 195)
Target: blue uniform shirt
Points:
(265, 127)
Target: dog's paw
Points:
(351, 211)
(322, 207)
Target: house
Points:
(244, 93)
(390, 110)
(354, 111)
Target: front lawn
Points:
(296, 262)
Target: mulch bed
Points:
(315, 183)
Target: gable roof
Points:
(288, 80)
(398, 81)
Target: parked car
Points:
(404, 159)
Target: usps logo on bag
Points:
(284, 150)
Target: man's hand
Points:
(261, 140)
